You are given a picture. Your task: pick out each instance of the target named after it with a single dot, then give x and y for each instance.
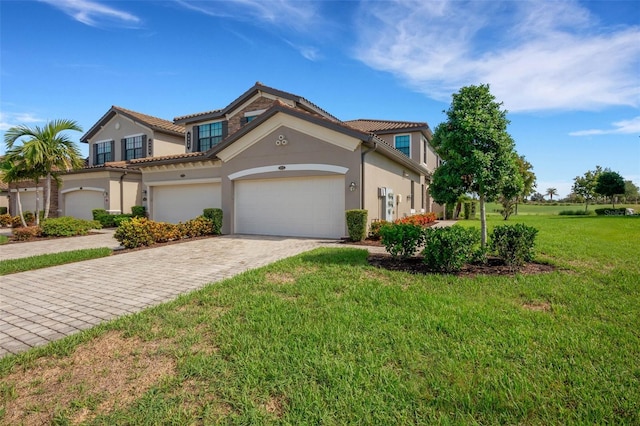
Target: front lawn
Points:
(324, 338)
(12, 266)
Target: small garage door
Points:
(179, 203)
(80, 203)
(301, 207)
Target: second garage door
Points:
(179, 203)
(301, 207)
(80, 203)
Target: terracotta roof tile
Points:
(167, 157)
(374, 126)
(151, 121)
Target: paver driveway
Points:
(40, 306)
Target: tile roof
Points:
(166, 157)
(150, 121)
(375, 126)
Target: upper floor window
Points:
(210, 135)
(403, 144)
(103, 153)
(425, 149)
(132, 147)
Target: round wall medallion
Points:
(117, 125)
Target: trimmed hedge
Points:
(514, 243)
(401, 240)
(140, 231)
(67, 226)
(357, 224)
(449, 249)
(138, 211)
(215, 216)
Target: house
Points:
(108, 181)
(274, 162)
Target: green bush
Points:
(139, 211)
(215, 216)
(26, 234)
(98, 212)
(5, 219)
(117, 219)
(357, 224)
(136, 232)
(29, 217)
(579, 212)
(67, 226)
(3, 210)
(449, 249)
(611, 211)
(198, 227)
(514, 243)
(401, 240)
(374, 229)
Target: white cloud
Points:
(619, 127)
(12, 119)
(535, 55)
(95, 14)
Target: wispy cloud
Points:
(12, 119)
(95, 14)
(535, 55)
(619, 127)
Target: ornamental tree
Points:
(585, 186)
(610, 184)
(477, 150)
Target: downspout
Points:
(375, 146)
(122, 193)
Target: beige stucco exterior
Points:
(121, 189)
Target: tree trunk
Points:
(37, 212)
(47, 204)
(483, 221)
(19, 203)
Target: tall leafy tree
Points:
(13, 170)
(610, 184)
(631, 191)
(47, 151)
(551, 192)
(477, 150)
(585, 185)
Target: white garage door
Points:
(301, 207)
(179, 203)
(80, 203)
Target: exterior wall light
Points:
(352, 186)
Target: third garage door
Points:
(179, 203)
(301, 207)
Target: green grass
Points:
(4, 239)
(12, 266)
(323, 338)
(550, 209)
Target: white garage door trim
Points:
(181, 202)
(308, 206)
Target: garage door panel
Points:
(179, 203)
(80, 204)
(306, 206)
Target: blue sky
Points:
(568, 72)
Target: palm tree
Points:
(551, 192)
(13, 169)
(47, 151)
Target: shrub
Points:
(374, 229)
(423, 219)
(98, 212)
(3, 210)
(26, 234)
(401, 239)
(449, 249)
(67, 226)
(514, 243)
(29, 217)
(139, 211)
(117, 219)
(356, 224)
(134, 233)
(579, 212)
(215, 216)
(5, 219)
(16, 222)
(163, 231)
(197, 227)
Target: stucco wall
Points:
(165, 144)
(110, 132)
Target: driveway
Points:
(40, 306)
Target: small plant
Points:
(401, 240)
(104, 217)
(16, 222)
(357, 224)
(5, 219)
(135, 233)
(449, 249)
(514, 243)
(29, 217)
(67, 226)
(119, 218)
(3, 210)
(374, 229)
(215, 216)
(198, 227)
(423, 219)
(139, 211)
(26, 233)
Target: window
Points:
(210, 135)
(425, 149)
(403, 144)
(132, 147)
(103, 153)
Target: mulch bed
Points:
(494, 266)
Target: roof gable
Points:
(153, 123)
(386, 126)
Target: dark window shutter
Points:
(112, 154)
(124, 148)
(94, 154)
(195, 144)
(244, 120)
(225, 129)
(145, 149)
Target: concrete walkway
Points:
(37, 307)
